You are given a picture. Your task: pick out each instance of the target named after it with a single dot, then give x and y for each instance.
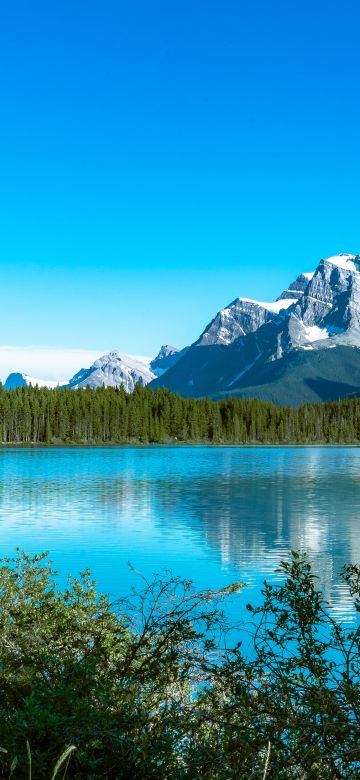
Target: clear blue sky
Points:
(160, 157)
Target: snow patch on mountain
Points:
(273, 306)
(314, 333)
(345, 261)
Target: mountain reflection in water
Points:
(210, 514)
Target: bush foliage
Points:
(147, 687)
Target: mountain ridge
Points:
(324, 315)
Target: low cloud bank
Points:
(55, 363)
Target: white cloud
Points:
(55, 363)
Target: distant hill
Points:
(17, 379)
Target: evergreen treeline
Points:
(109, 415)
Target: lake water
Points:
(214, 515)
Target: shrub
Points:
(147, 688)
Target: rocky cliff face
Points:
(297, 288)
(328, 313)
(245, 315)
(241, 317)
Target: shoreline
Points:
(174, 445)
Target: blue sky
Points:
(159, 158)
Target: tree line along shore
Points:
(35, 415)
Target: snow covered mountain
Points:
(283, 357)
(332, 302)
(117, 369)
(245, 315)
(327, 314)
(114, 370)
(16, 379)
(242, 316)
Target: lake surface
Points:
(214, 515)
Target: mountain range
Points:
(111, 370)
(302, 347)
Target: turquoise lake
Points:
(213, 515)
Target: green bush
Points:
(147, 688)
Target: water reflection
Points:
(209, 514)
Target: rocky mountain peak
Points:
(297, 288)
(165, 351)
(241, 317)
(166, 358)
(328, 313)
(246, 315)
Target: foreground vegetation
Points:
(145, 688)
(108, 415)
